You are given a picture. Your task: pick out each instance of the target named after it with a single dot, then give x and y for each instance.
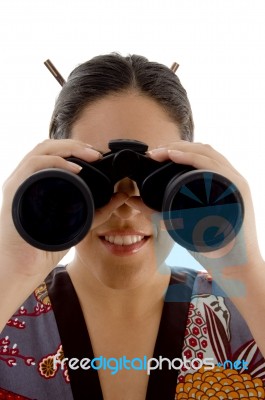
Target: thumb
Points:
(102, 214)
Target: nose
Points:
(126, 185)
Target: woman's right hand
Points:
(21, 263)
(48, 154)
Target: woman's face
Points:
(126, 243)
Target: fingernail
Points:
(93, 152)
(74, 167)
(157, 151)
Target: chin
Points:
(126, 273)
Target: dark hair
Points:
(113, 73)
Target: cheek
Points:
(87, 244)
(163, 243)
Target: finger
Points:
(66, 148)
(200, 161)
(52, 155)
(160, 154)
(104, 213)
(195, 159)
(38, 163)
(137, 203)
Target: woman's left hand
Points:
(242, 252)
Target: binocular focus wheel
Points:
(53, 209)
(202, 210)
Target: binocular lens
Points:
(202, 210)
(53, 210)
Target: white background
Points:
(219, 45)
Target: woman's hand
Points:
(23, 257)
(48, 154)
(22, 266)
(244, 249)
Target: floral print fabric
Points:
(214, 329)
(27, 347)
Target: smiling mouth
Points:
(124, 244)
(124, 240)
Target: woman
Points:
(117, 275)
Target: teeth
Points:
(124, 240)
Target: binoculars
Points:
(53, 209)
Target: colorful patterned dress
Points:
(50, 326)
